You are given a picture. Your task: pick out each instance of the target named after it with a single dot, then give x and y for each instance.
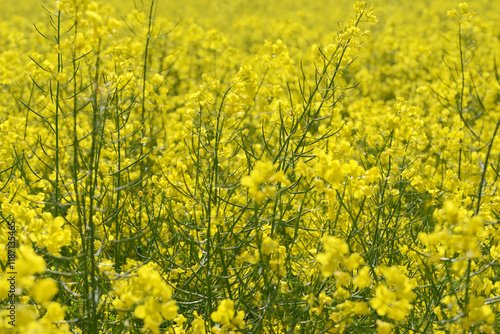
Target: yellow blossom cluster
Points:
(263, 180)
(249, 166)
(226, 315)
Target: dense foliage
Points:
(249, 167)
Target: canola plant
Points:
(249, 167)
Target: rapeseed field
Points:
(249, 166)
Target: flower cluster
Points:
(249, 167)
(263, 180)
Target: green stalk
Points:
(483, 174)
(57, 103)
(93, 175)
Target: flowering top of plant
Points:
(249, 167)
